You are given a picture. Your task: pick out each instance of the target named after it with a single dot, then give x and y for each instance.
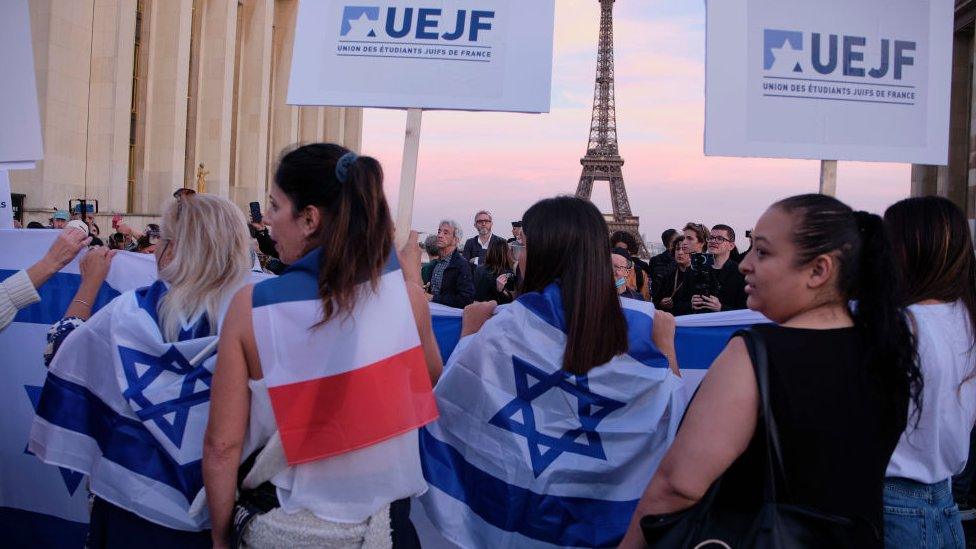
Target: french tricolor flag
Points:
(349, 383)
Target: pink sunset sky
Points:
(506, 162)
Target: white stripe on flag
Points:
(339, 346)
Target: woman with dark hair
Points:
(328, 356)
(840, 378)
(568, 329)
(491, 280)
(934, 250)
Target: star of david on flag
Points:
(545, 449)
(143, 369)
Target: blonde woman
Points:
(137, 374)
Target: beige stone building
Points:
(136, 95)
(957, 181)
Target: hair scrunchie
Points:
(342, 166)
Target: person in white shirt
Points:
(932, 244)
(20, 289)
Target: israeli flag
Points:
(135, 424)
(528, 455)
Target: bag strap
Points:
(756, 345)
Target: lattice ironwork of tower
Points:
(602, 161)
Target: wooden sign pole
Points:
(408, 175)
(828, 177)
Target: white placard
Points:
(20, 124)
(481, 55)
(832, 79)
(6, 204)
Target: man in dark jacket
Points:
(451, 282)
(477, 246)
(663, 263)
(730, 285)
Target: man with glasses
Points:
(731, 285)
(477, 246)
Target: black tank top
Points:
(838, 425)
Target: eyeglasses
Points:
(481, 221)
(716, 238)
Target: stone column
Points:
(924, 180)
(352, 135)
(111, 94)
(254, 101)
(216, 92)
(953, 181)
(284, 124)
(167, 47)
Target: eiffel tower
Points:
(602, 161)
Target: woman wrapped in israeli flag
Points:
(332, 363)
(127, 397)
(558, 408)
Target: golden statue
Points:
(202, 179)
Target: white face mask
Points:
(620, 282)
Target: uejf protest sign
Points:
(474, 55)
(482, 55)
(832, 79)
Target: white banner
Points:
(20, 132)
(6, 204)
(484, 55)
(832, 79)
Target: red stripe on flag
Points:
(345, 412)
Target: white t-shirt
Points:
(938, 447)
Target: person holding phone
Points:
(491, 280)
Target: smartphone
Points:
(256, 216)
(116, 221)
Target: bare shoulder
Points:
(733, 361)
(239, 313)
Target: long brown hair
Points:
(496, 258)
(566, 241)
(356, 232)
(934, 250)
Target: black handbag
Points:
(775, 525)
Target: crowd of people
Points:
(698, 271)
(869, 367)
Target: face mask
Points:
(620, 282)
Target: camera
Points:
(702, 271)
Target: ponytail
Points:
(867, 274)
(880, 312)
(356, 232)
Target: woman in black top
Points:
(491, 280)
(840, 380)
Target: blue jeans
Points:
(921, 516)
(962, 484)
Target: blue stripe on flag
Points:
(121, 440)
(28, 529)
(447, 332)
(56, 295)
(639, 345)
(698, 347)
(560, 520)
(300, 282)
